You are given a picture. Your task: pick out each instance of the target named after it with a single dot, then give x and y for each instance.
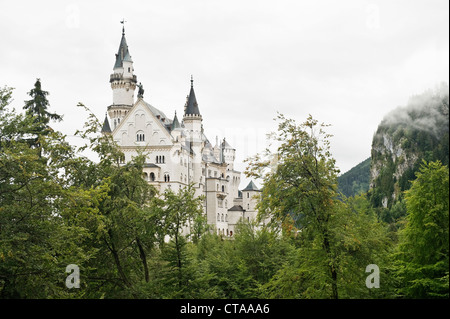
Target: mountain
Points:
(356, 180)
(406, 136)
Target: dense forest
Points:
(355, 181)
(59, 208)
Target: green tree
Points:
(423, 253)
(303, 185)
(37, 108)
(36, 244)
(179, 211)
(332, 235)
(39, 104)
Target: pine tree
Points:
(37, 108)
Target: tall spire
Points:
(123, 27)
(192, 105)
(122, 54)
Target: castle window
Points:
(218, 217)
(248, 195)
(140, 136)
(152, 177)
(166, 178)
(223, 189)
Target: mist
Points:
(425, 112)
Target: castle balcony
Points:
(119, 77)
(221, 194)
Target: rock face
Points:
(404, 138)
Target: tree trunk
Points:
(333, 273)
(143, 258)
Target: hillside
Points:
(356, 180)
(406, 136)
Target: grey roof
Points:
(237, 208)
(208, 153)
(160, 114)
(175, 122)
(122, 54)
(150, 165)
(191, 104)
(106, 128)
(225, 145)
(251, 187)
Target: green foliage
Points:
(59, 208)
(337, 239)
(356, 180)
(423, 252)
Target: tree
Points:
(37, 108)
(300, 193)
(423, 253)
(36, 244)
(303, 185)
(38, 105)
(178, 211)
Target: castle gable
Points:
(143, 126)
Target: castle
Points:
(179, 153)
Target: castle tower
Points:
(192, 120)
(228, 154)
(123, 83)
(250, 196)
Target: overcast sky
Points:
(346, 62)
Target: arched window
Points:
(140, 137)
(163, 159)
(222, 218)
(152, 177)
(218, 217)
(223, 188)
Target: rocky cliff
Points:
(406, 136)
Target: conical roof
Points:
(251, 187)
(106, 128)
(122, 54)
(192, 105)
(175, 123)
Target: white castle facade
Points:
(179, 153)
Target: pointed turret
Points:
(123, 83)
(191, 107)
(106, 128)
(175, 122)
(123, 54)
